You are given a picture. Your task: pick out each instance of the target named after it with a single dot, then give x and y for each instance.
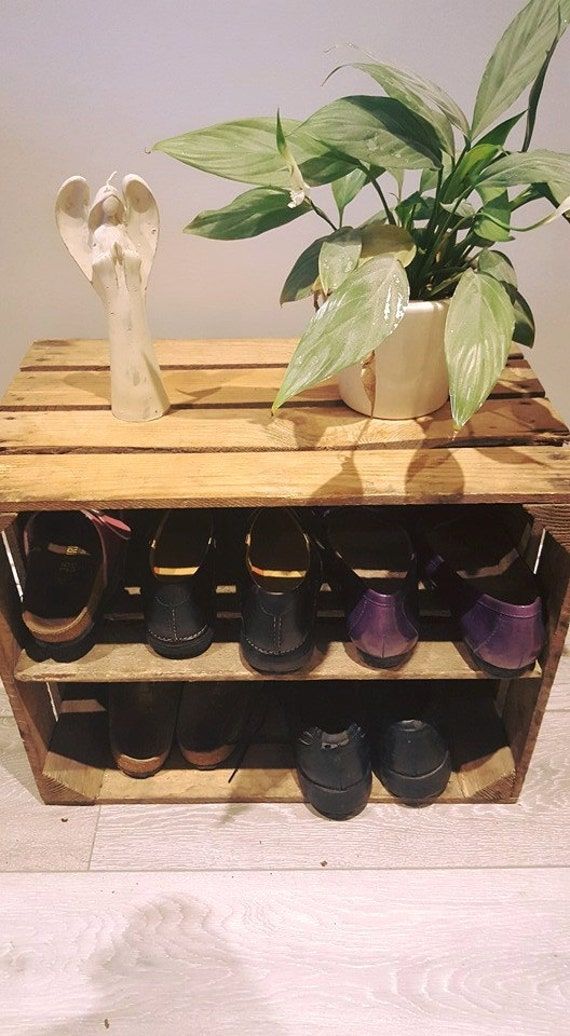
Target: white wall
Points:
(87, 85)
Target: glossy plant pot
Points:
(406, 376)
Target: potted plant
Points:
(417, 302)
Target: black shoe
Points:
(332, 752)
(142, 720)
(213, 720)
(179, 592)
(281, 577)
(410, 755)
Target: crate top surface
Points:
(61, 447)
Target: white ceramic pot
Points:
(408, 374)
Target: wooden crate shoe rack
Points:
(219, 447)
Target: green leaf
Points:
(468, 170)
(524, 331)
(499, 134)
(247, 215)
(338, 257)
(367, 307)
(305, 270)
(536, 89)
(245, 150)
(517, 59)
(377, 131)
(346, 189)
(420, 96)
(497, 265)
(386, 239)
(416, 207)
(478, 336)
(493, 220)
(526, 168)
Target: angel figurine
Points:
(113, 242)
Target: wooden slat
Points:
(203, 388)
(505, 422)
(200, 352)
(76, 353)
(110, 661)
(517, 474)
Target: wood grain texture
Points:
(202, 387)
(109, 662)
(272, 836)
(499, 422)
(197, 352)
(34, 837)
(464, 953)
(517, 474)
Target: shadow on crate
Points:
(80, 758)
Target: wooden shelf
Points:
(111, 662)
(79, 762)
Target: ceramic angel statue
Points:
(114, 241)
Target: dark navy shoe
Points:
(279, 583)
(410, 754)
(331, 747)
(179, 593)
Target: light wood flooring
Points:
(255, 920)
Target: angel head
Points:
(108, 207)
(135, 209)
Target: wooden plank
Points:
(202, 388)
(286, 953)
(517, 474)
(109, 662)
(200, 352)
(500, 422)
(77, 353)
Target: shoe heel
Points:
(336, 804)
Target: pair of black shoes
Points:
(339, 741)
(279, 578)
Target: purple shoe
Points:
(372, 564)
(490, 591)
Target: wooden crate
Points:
(219, 447)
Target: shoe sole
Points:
(139, 769)
(335, 804)
(277, 664)
(184, 649)
(498, 671)
(207, 760)
(422, 788)
(385, 663)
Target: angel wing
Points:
(71, 213)
(142, 221)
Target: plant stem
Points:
(380, 193)
(322, 214)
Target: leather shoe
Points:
(280, 579)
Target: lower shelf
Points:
(79, 768)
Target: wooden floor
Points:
(269, 920)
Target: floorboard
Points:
(474, 952)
